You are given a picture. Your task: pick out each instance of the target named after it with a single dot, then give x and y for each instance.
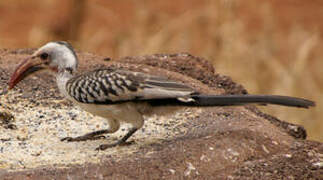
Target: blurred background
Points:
(271, 47)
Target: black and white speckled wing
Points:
(113, 86)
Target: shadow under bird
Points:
(122, 96)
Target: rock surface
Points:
(195, 143)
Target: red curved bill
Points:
(21, 70)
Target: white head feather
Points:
(61, 55)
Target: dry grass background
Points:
(271, 47)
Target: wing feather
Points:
(114, 86)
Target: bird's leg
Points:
(120, 142)
(136, 120)
(114, 126)
(89, 136)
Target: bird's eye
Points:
(43, 56)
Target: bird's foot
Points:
(89, 136)
(119, 143)
(82, 138)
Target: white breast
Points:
(61, 80)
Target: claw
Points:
(119, 143)
(105, 146)
(68, 139)
(82, 138)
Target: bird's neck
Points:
(62, 77)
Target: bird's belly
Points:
(122, 112)
(106, 111)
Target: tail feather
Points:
(226, 100)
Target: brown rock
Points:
(208, 143)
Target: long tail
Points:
(226, 100)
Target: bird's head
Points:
(56, 56)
